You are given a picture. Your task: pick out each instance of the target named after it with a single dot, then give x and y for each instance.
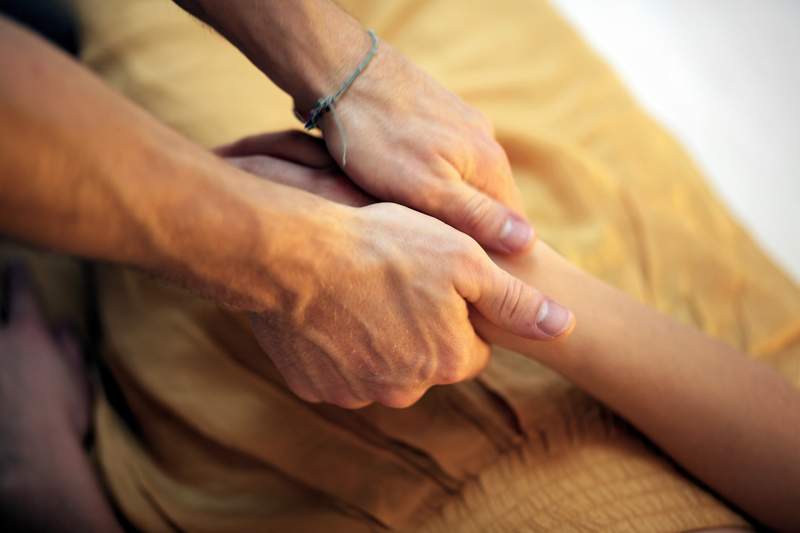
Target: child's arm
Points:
(731, 421)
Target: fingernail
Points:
(553, 319)
(515, 233)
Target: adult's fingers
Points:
(291, 145)
(478, 359)
(492, 175)
(514, 305)
(485, 219)
(466, 366)
(335, 391)
(399, 399)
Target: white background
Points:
(724, 77)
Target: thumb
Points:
(483, 218)
(517, 307)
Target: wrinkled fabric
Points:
(198, 431)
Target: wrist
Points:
(370, 96)
(560, 280)
(602, 314)
(330, 65)
(242, 235)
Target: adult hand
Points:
(376, 307)
(411, 141)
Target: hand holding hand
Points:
(376, 308)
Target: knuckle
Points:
(452, 365)
(470, 267)
(478, 119)
(509, 306)
(424, 371)
(493, 163)
(430, 156)
(298, 387)
(397, 399)
(346, 401)
(496, 156)
(452, 371)
(483, 356)
(477, 212)
(470, 250)
(305, 395)
(342, 393)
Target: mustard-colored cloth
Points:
(214, 442)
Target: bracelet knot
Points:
(328, 103)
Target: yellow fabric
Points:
(214, 442)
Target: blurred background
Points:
(724, 77)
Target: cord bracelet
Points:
(328, 103)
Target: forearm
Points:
(307, 47)
(88, 173)
(84, 172)
(729, 420)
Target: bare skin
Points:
(443, 161)
(731, 421)
(92, 161)
(90, 174)
(743, 450)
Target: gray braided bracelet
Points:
(328, 103)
